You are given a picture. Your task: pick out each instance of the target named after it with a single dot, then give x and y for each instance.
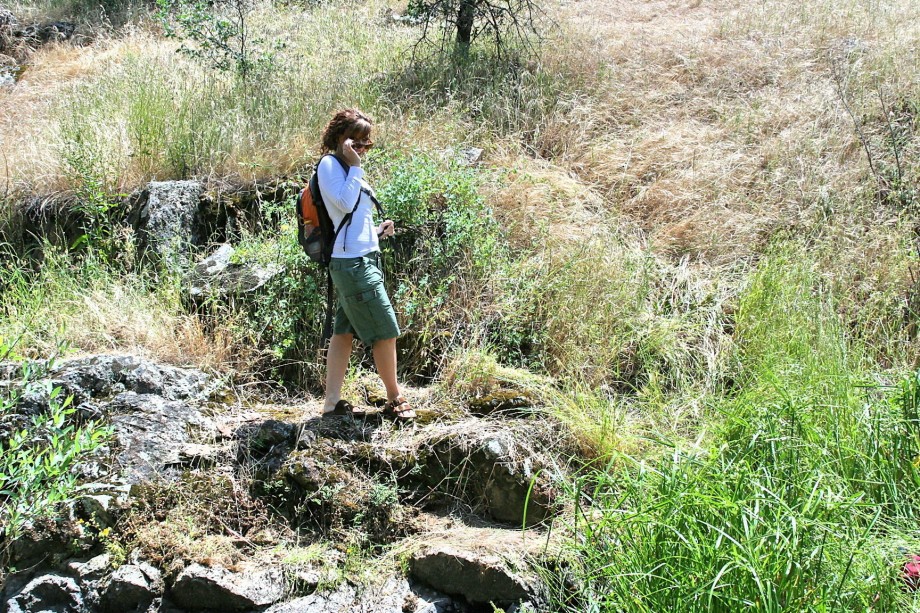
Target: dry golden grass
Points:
(720, 122)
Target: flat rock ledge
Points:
(199, 588)
(480, 578)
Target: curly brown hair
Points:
(350, 122)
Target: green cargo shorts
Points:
(364, 307)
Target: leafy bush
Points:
(220, 32)
(38, 459)
(435, 270)
(440, 263)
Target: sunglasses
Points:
(361, 144)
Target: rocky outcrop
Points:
(48, 593)
(502, 468)
(98, 378)
(338, 476)
(150, 433)
(169, 220)
(41, 33)
(218, 275)
(199, 588)
(154, 411)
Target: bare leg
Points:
(385, 361)
(336, 366)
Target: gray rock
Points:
(478, 577)
(217, 275)
(35, 399)
(169, 219)
(92, 569)
(272, 432)
(120, 492)
(195, 455)
(89, 575)
(151, 431)
(97, 508)
(102, 376)
(395, 595)
(507, 483)
(338, 601)
(199, 588)
(131, 587)
(470, 156)
(7, 19)
(43, 541)
(55, 31)
(501, 472)
(51, 592)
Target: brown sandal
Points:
(342, 408)
(399, 409)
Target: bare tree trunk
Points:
(465, 22)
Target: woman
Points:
(364, 308)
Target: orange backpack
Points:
(315, 231)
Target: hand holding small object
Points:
(386, 229)
(351, 156)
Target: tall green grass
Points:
(798, 505)
(155, 114)
(91, 305)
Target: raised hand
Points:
(350, 155)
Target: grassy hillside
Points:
(695, 237)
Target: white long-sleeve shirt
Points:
(340, 192)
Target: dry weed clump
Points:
(206, 518)
(539, 197)
(93, 308)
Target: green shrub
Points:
(440, 263)
(435, 270)
(38, 460)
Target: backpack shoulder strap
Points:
(373, 198)
(342, 163)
